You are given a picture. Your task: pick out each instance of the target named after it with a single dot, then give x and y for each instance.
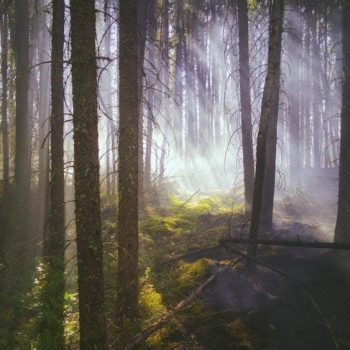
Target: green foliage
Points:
(251, 5)
(151, 302)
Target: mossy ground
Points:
(277, 316)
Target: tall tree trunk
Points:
(4, 121)
(316, 91)
(151, 82)
(271, 107)
(342, 229)
(44, 111)
(86, 173)
(267, 136)
(190, 86)
(178, 78)
(141, 23)
(127, 285)
(246, 109)
(22, 156)
(293, 83)
(52, 329)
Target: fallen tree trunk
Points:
(300, 244)
(160, 322)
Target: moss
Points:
(151, 303)
(190, 273)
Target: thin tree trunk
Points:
(178, 77)
(141, 22)
(293, 84)
(267, 136)
(316, 91)
(44, 122)
(22, 156)
(86, 173)
(271, 107)
(52, 329)
(246, 109)
(129, 124)
(4, 121)
(342, 229)
(151, 83)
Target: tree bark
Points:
(43, 120)
(267, 136)
(22, 156)
(293, 84)
(52, 328)
(316, 91)
(342, 229)
(178, 120)
(86, 175)
(246, 109)
(4, 121)
(127, 285)
(151, 83)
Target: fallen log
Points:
(300, 244)
(160, 322)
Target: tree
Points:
(4, 121)
(43, 118)
(246, 110)
(270, 106)
(342, 229)
(293, 84)
(52, 331)
(86, 176)
(151, 83)
(264, 182)
(22, 156)
(127, 285)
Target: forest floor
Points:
(305, 306)
(307, 309)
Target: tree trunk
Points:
(86, 174)
(52, 329)
(44, 120)
(267, 136)
(141, 23)
(271, 107)
(22, 158)
(151, 83)
(342, 229)
(293, 84)
(4, 121)
(316, 91)
(129, 100)
(178, 78)
(246, 110)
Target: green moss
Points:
(190, 273)
(151, 303)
